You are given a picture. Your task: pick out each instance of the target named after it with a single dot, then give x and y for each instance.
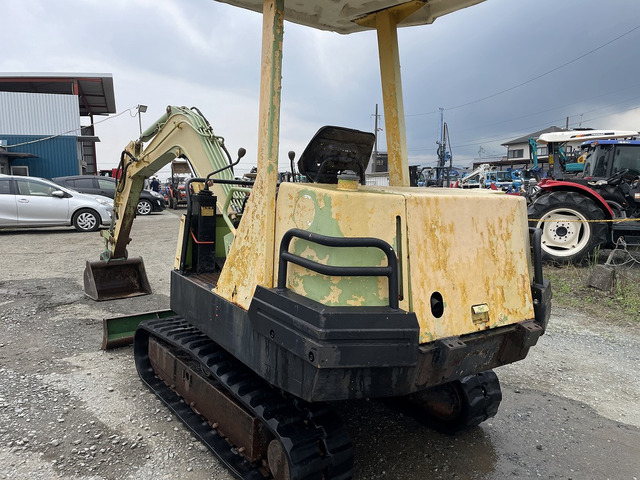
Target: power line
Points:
(502, 139)
(546, 123)
(43, 139)
(530, 81)
(534, 78)
(429, 149)
(557, 120)
(591, 98)
(608, 115)
(548, 72)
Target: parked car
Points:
(36, 202)
(148, 202)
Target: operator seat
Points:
(334, 150)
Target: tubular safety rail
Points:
(390, 271)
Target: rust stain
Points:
(472, 248)
(478, 255)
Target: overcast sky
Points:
(500, 70)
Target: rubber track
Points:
(312, 435)
(481, 397)
(484, 396)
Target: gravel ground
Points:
(69, 410)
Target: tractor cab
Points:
(605, 158)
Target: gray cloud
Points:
(207, 54)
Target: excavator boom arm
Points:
(180, 132)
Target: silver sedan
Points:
(36, 202)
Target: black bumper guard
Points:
(541, 288)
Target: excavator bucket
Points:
(115, 279)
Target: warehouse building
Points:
(47, 122)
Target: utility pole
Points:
(375, 145)
(376, 131)
(442, 148)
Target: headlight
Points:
(156, 194)
(104, 202)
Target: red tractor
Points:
(176, 193)
(593, 208)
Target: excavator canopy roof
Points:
(341, 16)
(584, 135)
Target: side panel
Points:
(8, 206)
(37, 206)
(463, 255)
(470, 250)
(326, 210)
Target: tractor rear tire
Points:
(569, 223)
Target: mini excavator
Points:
(286, 297)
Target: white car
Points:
(36, 202)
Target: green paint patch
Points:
(426, 337)
(502, 320)
(323, 219)
(346, 291)
(342, 291)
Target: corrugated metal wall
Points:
(380, 179)
(39, 114)
(57, 156)
(27, 119)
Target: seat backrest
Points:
(334, 150)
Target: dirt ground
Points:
(69, 410)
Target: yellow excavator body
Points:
(463, 267)
(285, 297)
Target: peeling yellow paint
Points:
(333, 297)
(304, 212)
(251, 256)
(356, 301)
(471, 247)
(476, 252)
